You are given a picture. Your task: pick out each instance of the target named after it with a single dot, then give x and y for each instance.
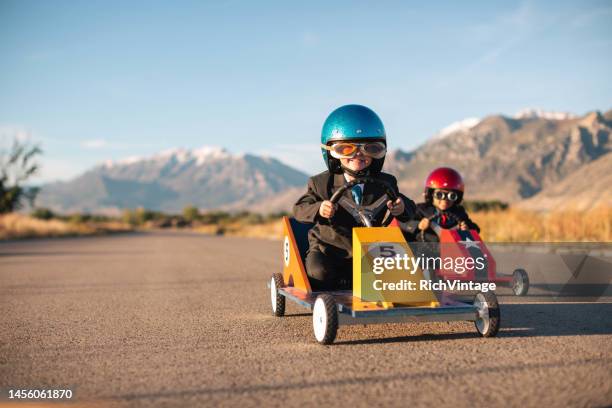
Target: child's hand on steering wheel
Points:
(396, 207)
(327, 209)
(424, 224)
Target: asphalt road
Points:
(178, 319)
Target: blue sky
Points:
(93, 80)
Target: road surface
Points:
(177, 319)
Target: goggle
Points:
(446, 195)
(346, 150)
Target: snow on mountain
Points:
(459, 126)
(536, 113)
(510, 159)
(210, 153)
(207, 177)
(529, 113)
(200, 155)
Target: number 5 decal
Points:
(286, 250)
(387, 251)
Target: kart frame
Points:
(347, 315)
(332, 309)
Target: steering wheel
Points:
(365, 214)
(436, 228)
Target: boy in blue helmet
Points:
(354, 145)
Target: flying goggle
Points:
(446, 195)
(346, 150)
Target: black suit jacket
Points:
(333, 236)
(427, 210)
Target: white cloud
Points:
(10, 133)
(57, 170)
(50, 169)
(304, 157)
(94, 144)
(104, 144)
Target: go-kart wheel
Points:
(488, 318)
(520, 282)
(325, 319)
(278, 301)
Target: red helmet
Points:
(444, 178)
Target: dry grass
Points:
(15, 225)
(511, 225)
(271, 230)
(516, 225)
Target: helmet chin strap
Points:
(360, 173)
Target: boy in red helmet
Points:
(443, 194)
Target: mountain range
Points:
(518, 159)
(534, 159)
(209, 178)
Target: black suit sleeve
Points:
(463, 215)
(306, 209)
(409, 209)
(409, 206)
(412, 225)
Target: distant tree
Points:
(78, 218)
(16, 166)
(129, 217)
(191, 213)
(139, 216)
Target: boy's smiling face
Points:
(357, 163)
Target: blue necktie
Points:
(357, 194)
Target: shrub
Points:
(214, 217)
(43, 214)
(252, 218)
(78, 218)
(481, 205)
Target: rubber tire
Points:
(330, 309)
(520, 274)
(493, 312)
(278, 307)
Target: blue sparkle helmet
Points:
(355, 123)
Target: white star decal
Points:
(469, 243)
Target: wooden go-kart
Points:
(454, 242)
(362, 305)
